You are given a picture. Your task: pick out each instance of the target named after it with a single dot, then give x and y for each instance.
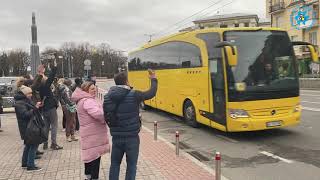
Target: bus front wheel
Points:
(189, 114)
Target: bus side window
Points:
(190, 55)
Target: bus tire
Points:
(144, 106)
(189, 114)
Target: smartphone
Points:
(44, 98)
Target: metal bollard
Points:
(177, 143)
(218, 166)
(155, 127)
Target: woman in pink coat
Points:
(93, 129)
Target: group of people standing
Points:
(119, 112)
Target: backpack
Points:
(36, 132)
(111, 117)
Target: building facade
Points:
(228, 21)
(299, 17)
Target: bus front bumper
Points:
(256, 124)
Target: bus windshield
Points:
(266, 61)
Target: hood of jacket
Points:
(117, 93)
(20, 96)
(78, 94)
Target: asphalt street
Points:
(286, 153)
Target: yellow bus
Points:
(231, 79)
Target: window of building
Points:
(223, 26)
(278, 21)
(236, 25)
(313, 38)
(246, 24)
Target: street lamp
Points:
(102, 64)
(62, 70)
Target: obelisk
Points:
(34, 48)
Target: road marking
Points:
(309, 91)
(276, 157)
(227, 139)
(311, 109)
(313, 95)
(311, 102)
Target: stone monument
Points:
(34, 48)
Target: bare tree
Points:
(16, 61)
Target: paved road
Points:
(287, 153)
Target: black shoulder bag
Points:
(36, 132)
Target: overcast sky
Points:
(120, 23)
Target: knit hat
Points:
(25, 90)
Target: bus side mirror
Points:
(232, 55)
(311, 47)
(314, 54)
(231, 52)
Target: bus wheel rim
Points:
(189, 113)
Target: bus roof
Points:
(198, 31)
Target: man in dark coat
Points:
(25, 109)
(50, 105)
(124, 102)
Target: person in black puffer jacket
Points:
(125, 132)
(25, 109)
(50, 105)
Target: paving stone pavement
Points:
(157, 160)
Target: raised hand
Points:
(152, 74)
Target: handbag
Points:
(36, 132)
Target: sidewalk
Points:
(157, 160)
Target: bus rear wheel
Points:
(189, 114)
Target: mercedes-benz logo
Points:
(273, 112)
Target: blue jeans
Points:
(121, 145)
(29, 153)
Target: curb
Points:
(188, 156)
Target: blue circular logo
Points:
(302, 17)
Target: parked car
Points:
(7, 90)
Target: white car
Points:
(7, 90)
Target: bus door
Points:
(216, 72)
(218, 90)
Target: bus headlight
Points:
(297, 108)
(238, 113)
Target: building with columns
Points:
(229, 21)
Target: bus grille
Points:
(272, 112)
